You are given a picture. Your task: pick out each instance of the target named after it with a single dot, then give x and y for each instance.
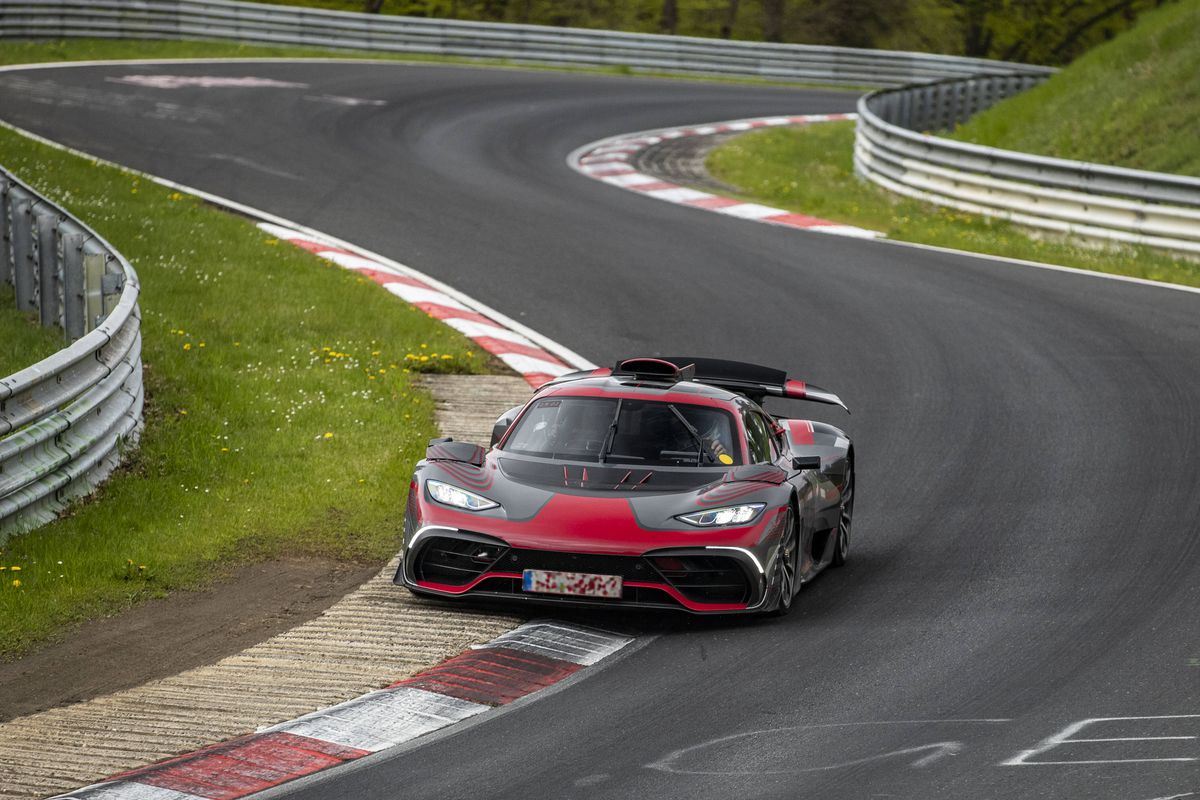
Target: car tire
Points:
(841, 547)
(787, 567)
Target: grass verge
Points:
(810, 170)
(281, 416)
(1133, 101)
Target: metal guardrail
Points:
(65, 420)
(1087, 200)
(530, 44)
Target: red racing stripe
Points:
(492, 676)
(244, 766)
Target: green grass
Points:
(810, 170)
(25, 341)
(281, 417)
(1133, 102)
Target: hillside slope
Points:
(1132, 102)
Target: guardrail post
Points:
(49, 270)
(6, 265)
(93, 279)
(24, 277)
(75, 317)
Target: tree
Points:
(730, 19)
(669, 21)
(773, 20)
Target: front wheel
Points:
(841, 548)
(787, 566)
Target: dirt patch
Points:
(187, 629)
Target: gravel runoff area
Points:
(374, 636)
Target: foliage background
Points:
(1036, 31)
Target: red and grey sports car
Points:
(660, 483)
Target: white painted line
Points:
(750, 211)
(680, 194)
(572, 643)
(352, 261)
(383, 719)
(630, 179)
(473, 329)
(1064, 737)
(528, 365)
(126, 790)
(844, 230)
(418, 294)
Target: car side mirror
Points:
(446, 449)
(806, 462)
(502, 424)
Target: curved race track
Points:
(1028, 442)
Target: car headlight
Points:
(459, 498)
(732, 515)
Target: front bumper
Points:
(452, 563)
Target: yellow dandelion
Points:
(17, 584)
(202, 344)
(224, 449)
(424, 346)
(446, 356)
(328, 435)
(141, 567)
(183, 412)
(374, 352)
(187, 345)
(15, 569)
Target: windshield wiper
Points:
(700, 451)
(612, 433)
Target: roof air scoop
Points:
(655, 369)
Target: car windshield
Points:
(626, 431)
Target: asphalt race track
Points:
(1025, 565)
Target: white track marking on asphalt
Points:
(678, 195)
(254, 165)
(528, 365)
(338, 100)
(417, 294)
(630, 179)
(938, 749)
(383, 719)
(474, 330)
(750, 211)
(352, 261)
(205, 82)
(1064, 737)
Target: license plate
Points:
(579, 584)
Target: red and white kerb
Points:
(608, 160)
(516, 664)
(524, 356)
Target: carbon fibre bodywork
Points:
(585, 516)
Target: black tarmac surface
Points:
(1028, 442)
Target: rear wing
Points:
(751, 380)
